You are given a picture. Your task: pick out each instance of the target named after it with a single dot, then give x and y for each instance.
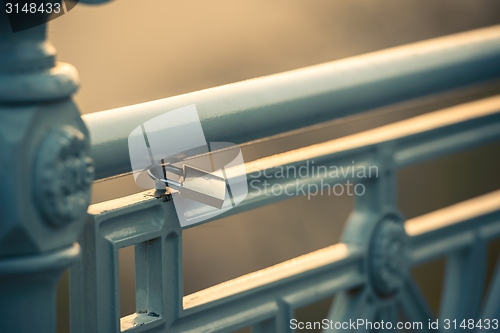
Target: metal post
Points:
(45, 177)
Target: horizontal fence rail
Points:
(411, 141)
(369, 279)
(258, 108)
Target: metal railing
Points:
(368, 273)
(265, 300)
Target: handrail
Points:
(278, 103)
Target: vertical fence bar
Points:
(492, 303)
(464, 282)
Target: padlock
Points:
(193, 183)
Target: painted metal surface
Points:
(45, 178)
(47, 171)
(254, 109)
(368, 272)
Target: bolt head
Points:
(389, 260)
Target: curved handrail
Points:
(254, 109)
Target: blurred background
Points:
(131, 51)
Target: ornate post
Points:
(45, 177)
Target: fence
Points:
(368, 273)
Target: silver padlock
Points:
(193, 183)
